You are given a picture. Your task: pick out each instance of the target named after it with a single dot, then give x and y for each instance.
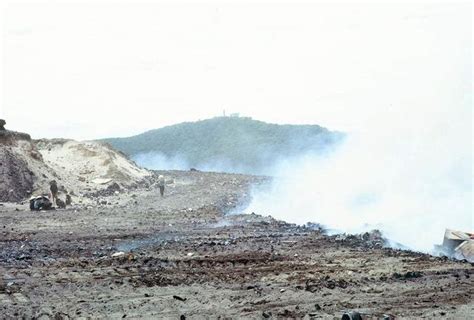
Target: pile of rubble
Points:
(458, 245)
(371, 239)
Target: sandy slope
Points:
(88, 164)
(27, 167)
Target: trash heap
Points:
(372, 239)
(458, 245)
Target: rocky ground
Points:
(132, 254)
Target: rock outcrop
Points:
(17, 179)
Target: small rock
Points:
(118, 254)
(179, 298)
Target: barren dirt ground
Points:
(184, 258)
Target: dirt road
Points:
(141, 256)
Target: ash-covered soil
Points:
(137, 255)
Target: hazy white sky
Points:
(96, 70)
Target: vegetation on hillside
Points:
(236, 143)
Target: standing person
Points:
(161, 184)
(68, 199)
(53, 187)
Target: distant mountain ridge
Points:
(235, 144)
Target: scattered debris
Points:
(352, 315)
(238, 267)
(311, 287)
(60, 203)
(408, 275)
(61, 316)
(114, 187)
(179, 298)
(118, 254)
(465, 251)
(371, 239)
(101, 180)
(40, 203)
(458, 245)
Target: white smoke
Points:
(408, 174)
(266, 166)
(159, 161)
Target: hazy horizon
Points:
(90, 71)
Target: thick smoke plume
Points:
(408, 174)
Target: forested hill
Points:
(236, 144)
